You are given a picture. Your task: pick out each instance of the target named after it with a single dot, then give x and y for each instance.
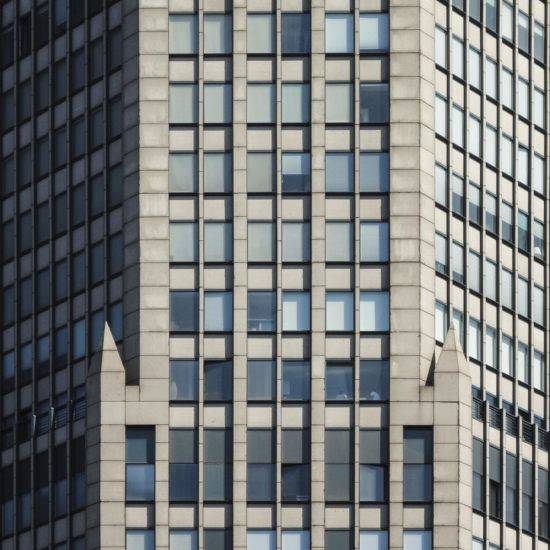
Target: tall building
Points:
(274, 275)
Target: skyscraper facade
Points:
(274, 275)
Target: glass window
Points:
(338, 539)
(339, 33)
(539, 113)
(375, 107)
(523, 98)
(474, 203)
(491, 212)
(374, 380)
(523, 165)
(295, 102)
(260, 465)
(183, 467)
(183, 172)
(458, 126)
(218, 106)
(218, 241)
(296, 241)
(374, 32)
(261, 242)
(140, 464)
(417, 540)
(458, 57)
(417, 467)
(184, 311)
(507, 157)
(218, 539)
(372, 469)
(491, 145)
(491, 354)
(474, 271)
(538, 239)
(441, 254)
(184, 380)
(338, 382)
(338, 465)
(491, 78)
(539, 371)
(508, 21)
(507, 355)
(260, 104)
(181, 539)
(296, 311)
(339, 311)
(524, 237)
(441, 321)
(441, 46)
(491, 15)
(539, 44)
(507, 222)
(538, 305)
(507, 288)
(260, 172)
(474, 339)
(374, 311)
(140, 539)
(262, 311)
(374, 172)
(218, 453)
(217, 33)
(458, 263)
(261, 540)
(295, 33)
(339, 102)
(373, 540)
(441, 184)
(538, 174)
(374, 242)
(339, 241)
(218, 381)
(458, 195)
(261, 380)
(475, 68)
(507, 89)
(523, 32)
(475, 136)
(183, 104)
(339, 174)
(527, 511)
(260, 33)
(295, 381)
(183, 242)
(295, 540)
(295, 470)
(183, 33)
(218, 311)
(218, 172)
(296, 173)
(441, 116)
(522, 360)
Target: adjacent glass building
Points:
(274, 275)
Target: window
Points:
(261, 380)
(475, 68)
(523, 165)
(218, 106)
(458, 195)
(218, 453)
(374, 102)
(218, 172)
(184, 311)
(339, 241)
(339, 175)
(374, 311)
(295, 540)
(217, 34)
(140, 539)
(183, 171)
(524, 238)
(507, 355)
(523, 98)
(539, 113)
(458, 57)
(296, 173)
(260, 29)
(338, 539)
(261, 540)
(260, 172)
(374, 172)
(260, 104)
(507, 222)
(441, 322)
(508, 21)
(218, 381)
(441, 185)
(538, 174)
(339, 33)
(491, 15)
(295, 100)
(261, 242)
(458, 126)
(523, 367)
(507, 89)
(491, 212)
(184, 239)
(338, 465)
(296, 241)
(441, 116)
(184, 380)
(458, 263)
(507, 288)
(339, 103)
(474, 271)
(374, 242)
(217, 539)
(218, 241)
(295, 465)
(538, 305)
(79, 339)
(218, 311)
(523, 32)
(181, 539)
(538, 239)
(474, 203)
(417, 464)
(441, 254)
(373, 540)
(184, 469)
(140, 464)
(262, 311)
(183, 104)
(374, 32)
(417, 540)
(339, 311)
(507, 157)
(183, 33)
(491, 78)
(373, 460)
(260, 445)
(339, 382)
(527, 510)
(539, 43)
(295, 33)
(511, 489)
(295, 384)
(296, 311)
(441, 46)
(474, 339)
(475, 136)
(478, 472)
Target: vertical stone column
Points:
(240, 267)
(412, 210)
(105, 448)
(317, 274)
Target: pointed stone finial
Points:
(106, 358)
